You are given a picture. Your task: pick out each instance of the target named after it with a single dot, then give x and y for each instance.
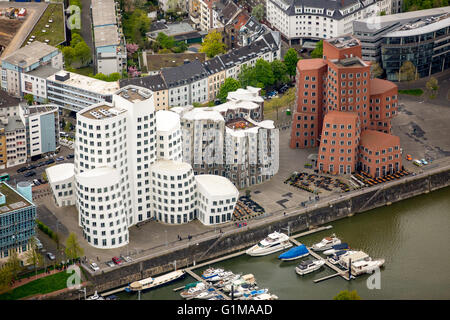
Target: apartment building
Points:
(311, 20)
(24, 61)
(16, 140)
(76, 92)
(156, 84)
(110, 54)
(18, 221)
(42, 128)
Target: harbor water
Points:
(413, 236)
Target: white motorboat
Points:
(326, 243)
(220, 276)
(207, 294)
(272, 243)
(211, 272)
(95, 296)
(309, 266)
(356, 256)
(363, 266)
(151, 283)
(265, 296)
(336, 248)
(334, 259)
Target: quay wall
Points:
(241, 238)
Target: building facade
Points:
(61, 179)
(18, 221)
(24, 61)
(421, 37)
(305, 20)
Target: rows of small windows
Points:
(106, 242)
(179, 218)
(17, 216)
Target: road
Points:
(16, 177)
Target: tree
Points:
(258, 12)
(290, 60)
(82, 53)
(347, 295)
(376, 71)
(165, 41)
(73, 249)
(407, 71)
(68, 126)
(14, 263)
(229, 85)
(32, 256)
(212, 45)
(432, 85)
(279, 71)
(5, 278)
(318, 51)
(29, 98)
(264, 73)
(132, 48)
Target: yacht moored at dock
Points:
(326, 243)
(294, 253)
(274, 242)
(309, 266)
(151, 283)
(336, 248)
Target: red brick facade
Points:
(330, 88)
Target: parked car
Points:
(49, 161)
(70, 156)
(94, 266)
(408, 157)
(39, 245)
(36, 182)
(31, 167)
(424, 162)
(116, 260)
(29, 174)
(110, 264)
(51, 256)
(127, 259)
(60, 159)
(284, 88)
(40, 164)
(22, 169)
(417, 163)
(272, 93)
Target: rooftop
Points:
(344, 42)
(86, 83)
(167, 120)
(29, 54)
(335, 116)
(216, 185)
(106, 36)
(101, 111)
(377, 140)
(311, 64)
(378, 86)
(203, 114)
(43, 71)
(172, 29)
(60, 172)
(14, 123)
(103, 12)
(170, 167)
(155, 62)
(350, 62)
(7, 100)
(154, 83)
(33, 109)
(134, 93)
(14, 200)
(184, 74)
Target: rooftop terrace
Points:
(14, 200)
(134, 94)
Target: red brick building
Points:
(338, 151)
(338, 91)
(379, 153)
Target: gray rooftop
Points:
(154, 83)
(170, 30)
(14, 123)
(103, 12)
(106, 36)
(43, 71)
(29, 54)
(184, 74)
(7, 100)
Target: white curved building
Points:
(169, 144)
(174, 191)
(100, 207)
(216, 198)
(61, 179)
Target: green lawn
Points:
(48, 284)
(55, 33)
(83, 71)
(413, 92)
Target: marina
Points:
(399, 233)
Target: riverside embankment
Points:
(240, 238)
